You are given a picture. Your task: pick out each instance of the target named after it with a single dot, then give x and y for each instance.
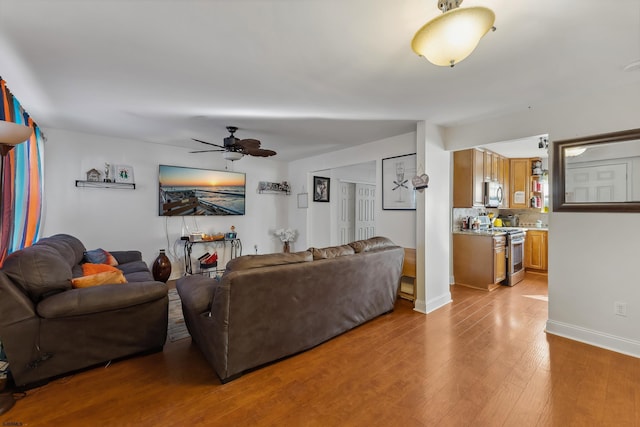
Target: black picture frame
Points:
(397, 189)
(321, 189)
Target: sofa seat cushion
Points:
(139, 276)
(39, 270)
(331, 252)
(133, 267)
(98, 299)
(246, 262)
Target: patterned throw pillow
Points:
(100, 256)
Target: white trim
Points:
(595, 338)
(437, 303)
(422, 307)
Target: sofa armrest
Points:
(101, 298)
(124, 257)
(15, 305)
(196, 292)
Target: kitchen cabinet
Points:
(468, 178)
(536, 250)
(479, 260)
(503, 178)
(519, 172)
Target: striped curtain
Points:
(22, 182)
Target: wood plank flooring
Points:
(483, 360)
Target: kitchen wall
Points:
(117, 219)
(591, 264)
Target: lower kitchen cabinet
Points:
(535, 250)
(479, 260)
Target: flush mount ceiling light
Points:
(452, 36)
(574, 151)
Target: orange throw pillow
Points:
(103, 278)
(89, 268)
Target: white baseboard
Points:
(426, 308)
(595, 338)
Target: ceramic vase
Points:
(161, 267)
(286, 248)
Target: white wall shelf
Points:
(101, 184)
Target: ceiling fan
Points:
(234, 148)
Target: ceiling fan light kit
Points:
(232, 155)
(452, 36)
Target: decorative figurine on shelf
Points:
(107, 169)
(93, 175)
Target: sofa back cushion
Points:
(39, 270)
(331, 252)
(69, 247)
(246, 262)
(371, 244)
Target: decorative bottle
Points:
(161, 267)
(286, 247)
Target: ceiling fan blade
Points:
(207, 151)
(259, 152)
(249, 143)
(208, 143)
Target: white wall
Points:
(592, 257)
(314, 224)
(117, 219)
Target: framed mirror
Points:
(599, 173)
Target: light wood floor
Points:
(483, 360)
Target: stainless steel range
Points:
(515, 253)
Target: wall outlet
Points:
(620, 308)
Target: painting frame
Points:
(303, 201)
(123, 174)
(321, 189)
(397, 172)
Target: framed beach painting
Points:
(397, 190)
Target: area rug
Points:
(176, 329)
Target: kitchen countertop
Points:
(480, 232)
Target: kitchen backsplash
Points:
(528, 217)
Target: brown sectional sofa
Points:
(266, 307)
(49, 329)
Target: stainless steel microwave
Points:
(493, 194)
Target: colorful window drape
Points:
(21, 182)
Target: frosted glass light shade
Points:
(231, 155)
(13, 133)
(452, 36)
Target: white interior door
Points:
(597, 183)
(346, 212)
(365, 223)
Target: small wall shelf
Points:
(274, 188)
(101, 184)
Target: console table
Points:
(234, 245)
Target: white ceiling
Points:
(303, 76)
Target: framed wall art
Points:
(124, 173)
(397, 190)
(321, 189)
(303, 200)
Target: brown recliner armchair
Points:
(49, 328)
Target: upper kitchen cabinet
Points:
(468, 178)
(503, 179)
(519, 172)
